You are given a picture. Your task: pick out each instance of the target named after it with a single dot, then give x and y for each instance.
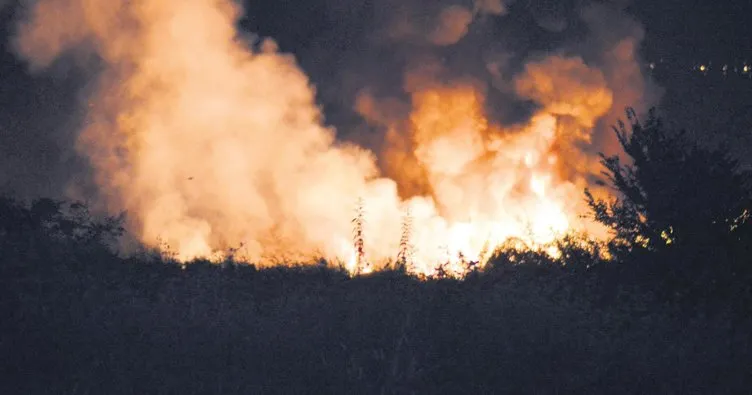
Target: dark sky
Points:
(689, 29)
(39, 117)
(37, 124)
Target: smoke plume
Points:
(210, 138)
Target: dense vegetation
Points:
(669, 314)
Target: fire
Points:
(487, 184)
(209, 141)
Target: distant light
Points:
(652, 66)
(725, 68)
(745, 69)
(703, 68)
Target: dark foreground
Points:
(90, 323)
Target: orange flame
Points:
(488, 184)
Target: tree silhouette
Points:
(674, 193)
(56, 220)
(406, 249)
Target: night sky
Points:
(693, 30)
(39, 114)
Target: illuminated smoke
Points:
(566, 87)
(205, 142)
(494, 7)
(453, 23)
(209, 139)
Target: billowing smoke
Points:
(453, 22)
(452, 25)
(209, 138)
(438, 23)
(205, 142)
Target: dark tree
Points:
(673, 194)
(48, 225)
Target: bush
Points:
(674, 194)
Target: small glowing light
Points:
(745, 69)
(703, 68)
(725, 68)
(652, 66)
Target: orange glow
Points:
(209, 142)
(490, 184)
